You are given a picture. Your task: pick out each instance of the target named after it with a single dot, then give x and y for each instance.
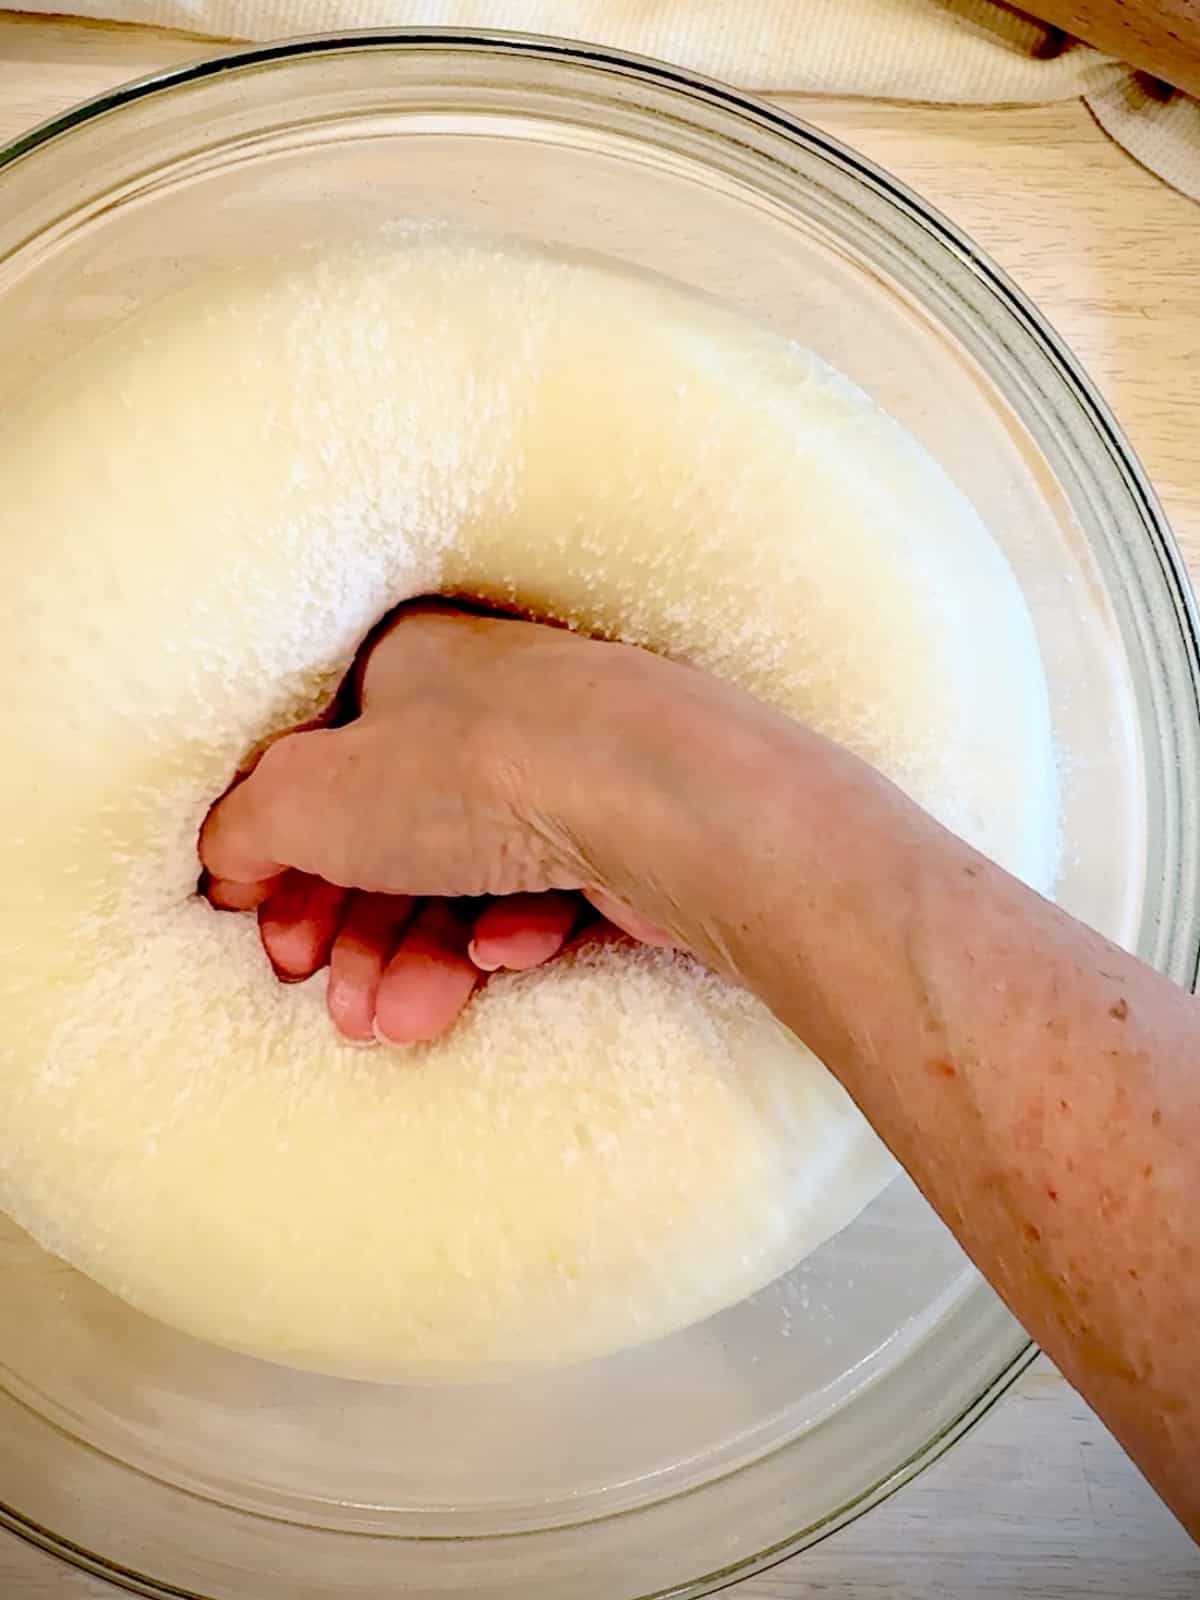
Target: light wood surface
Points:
(1038, 1503)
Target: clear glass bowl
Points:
(180, 1469)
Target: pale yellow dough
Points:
(199, 521)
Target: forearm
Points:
(1041, 1086)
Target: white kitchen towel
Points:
(976, 52)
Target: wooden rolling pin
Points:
(1161, 37)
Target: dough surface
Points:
(201, 519)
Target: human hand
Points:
(369, 846)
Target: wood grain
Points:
(1159, 36)
(1038, 1503)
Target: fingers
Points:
(279, 816)
(366, 942)
(297, 923)
(429, 979)
(226, 895)
(523, 930)
(231, 850)
(389, 976)
(403, 980)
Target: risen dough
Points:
(201, 519)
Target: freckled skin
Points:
(1064, 1148)
(1038, 1083)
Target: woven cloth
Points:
(971, 52)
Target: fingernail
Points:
(289, 974)
(382, 1038)
(481, 961)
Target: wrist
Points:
(662, 805)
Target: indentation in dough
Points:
(201, 519)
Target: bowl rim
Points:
(125, 1578)
(1013, 302)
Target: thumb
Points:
(293, 810)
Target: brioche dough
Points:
(200, 520)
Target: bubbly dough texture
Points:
(200, 519)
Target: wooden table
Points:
(1038, 1503)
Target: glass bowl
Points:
(176, 1468)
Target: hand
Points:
(1048, 1112)
(357, 844)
